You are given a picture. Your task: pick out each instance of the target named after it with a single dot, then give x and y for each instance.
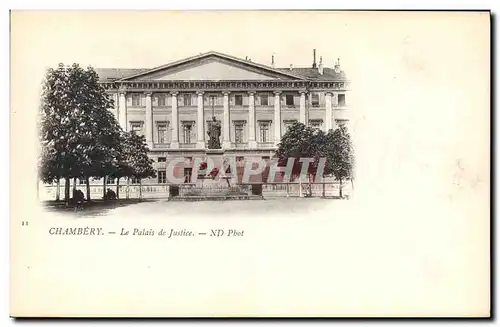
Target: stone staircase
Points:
(211, 190)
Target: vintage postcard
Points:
(250, 164)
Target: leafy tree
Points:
(57, 128)
(340, 155)
(101, 144)
(133, 159)
(78, 134)
(300, 141)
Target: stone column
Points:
(329, 111)
(174, 143)
(200, 144)
(226, 137)
(149, 120)
(252, 143)
(122, 110)
(302, 111)
(277, 117)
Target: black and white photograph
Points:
(249, 163)
(210, 127)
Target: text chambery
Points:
(75, 231)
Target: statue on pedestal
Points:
(214, 134)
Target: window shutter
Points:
(231, 100)
(129, 100)
(143, 100)
(154, 101)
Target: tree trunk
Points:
(127, 191)
(309, 185)
(58, 190)
(323, 189)
(118, 188)
(87, 184)
(340, 188)
(66, 190)
(74, 184)
(104, 187)
(140, 188)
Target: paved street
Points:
(163, 208)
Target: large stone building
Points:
(173, 105)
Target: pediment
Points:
(212, 67)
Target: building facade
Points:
(173, 105)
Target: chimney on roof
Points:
(246, 58)
(272, 61)
(291, 67)
(314, 58)
(320, 67)
(337, 66)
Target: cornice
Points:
(227, 86)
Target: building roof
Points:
(115, 74)
(313, 73)
(112, 74)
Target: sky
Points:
(144, 39)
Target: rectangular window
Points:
(136, 127)
(162, 133)
(341, 122)
(186, 132)
(162, 159)
(161, 100)
(238, 132)
(289, 99)
(316, 123)
(81, 181)
(187, 175)
(162, 176)
(187, 99)
(315, 100)
(212, 100)
(264, 131)
(289, 123)
(238, 100)
(264, 99)
(341, 99)
(135, 180)
(136, 100)
(110, 180)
